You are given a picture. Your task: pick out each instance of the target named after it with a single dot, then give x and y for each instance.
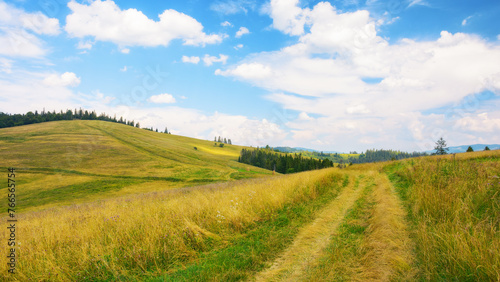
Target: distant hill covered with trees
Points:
(369, 156)
(10, 120)
(382, 155)
(282, 163)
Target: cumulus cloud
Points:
(65, 79)
(210, 60)
(105, 21)
(192, 59)
(162, 99)
(19, 31)
(325, 72)
(478, 123)
(226, 24)
(288, 17)
(242, 31)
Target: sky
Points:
(341, 76)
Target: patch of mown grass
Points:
(248, 252)
(344, 253)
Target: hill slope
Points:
(463, 148)
(72, 161)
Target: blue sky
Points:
(328, 75)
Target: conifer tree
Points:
(441, 147)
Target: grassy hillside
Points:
(66, 162)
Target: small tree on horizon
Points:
(470, 149)
(441, 147)
(486, 148)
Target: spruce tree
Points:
(441, 147)
(470, 149)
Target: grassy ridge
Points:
(453, 204)
(65, 162)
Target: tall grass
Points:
(147, 235)
(454, 204)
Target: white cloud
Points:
(35, 22)
(210, 60)
(418, 2)
(125, 50)
(192, 59)
(464, 22)
(124, 69)
(242, 31)
(239, 46)
(324, 73)
(288, 17)
(358, 109)
(252, 71)
(162, 99)
(231, 7)
(479, 123)
(226, 24)
(84, 45)
(305, 116)
(5, 65)
(105, 21)
(63, 80)
(19, 30)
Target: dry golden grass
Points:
(454, 202)
(389, 249)
(148, 234)
(311, 240)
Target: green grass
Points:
(248, 252)
(115, 154)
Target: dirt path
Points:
(389, 249)
(313, 238)
(386, 247)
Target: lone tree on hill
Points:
(486, 148)
(441, 147)
(470, 149)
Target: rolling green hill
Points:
(67, 162)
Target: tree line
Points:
(382, 155)
(10, 120)
(369, 156)
(282, 163)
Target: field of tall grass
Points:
(453, 203)
(152, 234)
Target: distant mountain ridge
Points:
(463, 148)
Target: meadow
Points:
(68, 162)
(135, 205)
